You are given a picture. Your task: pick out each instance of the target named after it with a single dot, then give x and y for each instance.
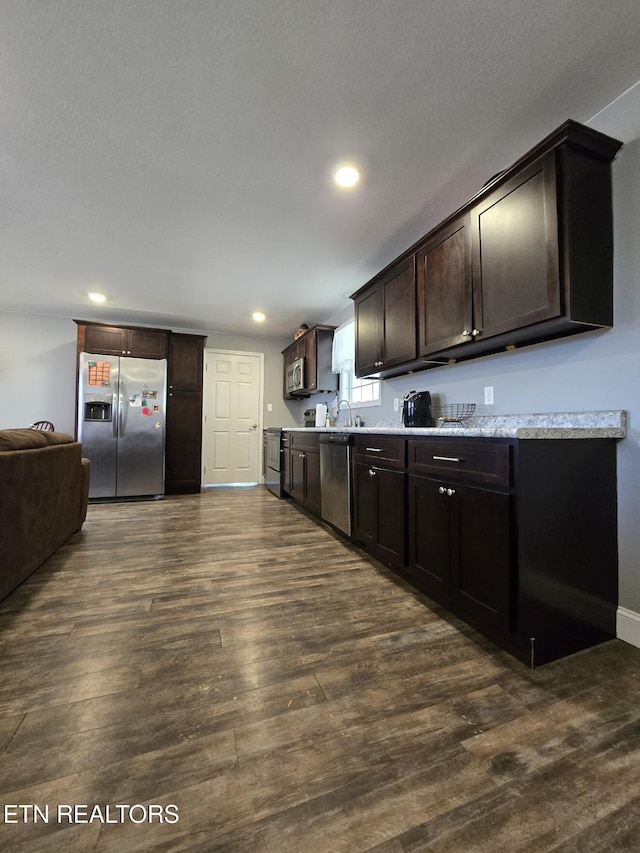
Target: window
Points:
(359, 392)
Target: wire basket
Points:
(453, 413)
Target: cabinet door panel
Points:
(391, 545)
(429, 537)
(297, 475)
(108, 340)
(399, 314)
(183, 458)
(481, 556)
(368, 318)
(286, 461)
(365, 504)
(444, 289)
(148, 343)
(516, 275)
(311, 363)
(312, 474)
(185, 362)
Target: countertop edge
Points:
(572, 425)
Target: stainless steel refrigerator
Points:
(121, 424)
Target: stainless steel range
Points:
(273, 467)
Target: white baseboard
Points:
(628, 626)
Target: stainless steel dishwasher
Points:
(335, 480)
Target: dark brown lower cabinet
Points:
(460, 550)
(183, 457)
(304, 471)
(516, 537)
(379, 512)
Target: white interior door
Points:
(232, 417)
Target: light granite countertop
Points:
(605, 424)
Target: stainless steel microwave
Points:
(295, 376)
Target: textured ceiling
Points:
(176, 155)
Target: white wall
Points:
(37, 371)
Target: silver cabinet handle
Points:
(476, 332)
(373, 449)
(372, 473)
(451, 492)
(446, 458)
(442, 490)
(466, 332)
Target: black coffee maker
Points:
(416, 409)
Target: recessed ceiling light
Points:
(259, 317)
(346, 175)
(97, 297)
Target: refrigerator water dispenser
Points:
(98, 409)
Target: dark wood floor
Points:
(226, 654)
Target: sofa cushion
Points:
(28, 439)
(57, 437)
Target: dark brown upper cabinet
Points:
(528, 259)
(385, 317)
(186, 356)
(134, 341)
(315, 347)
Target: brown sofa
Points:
(44, 491)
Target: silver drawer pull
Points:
(374, 449)
(446, 458)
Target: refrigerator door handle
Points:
(123, 407)
(121, 399)
(115, 416)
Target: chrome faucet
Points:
(349, 422)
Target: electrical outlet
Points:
(269, 407)
(396, 404)
(488, 395)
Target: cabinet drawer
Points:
(388, 450)
(473, 461)
(305, 440)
